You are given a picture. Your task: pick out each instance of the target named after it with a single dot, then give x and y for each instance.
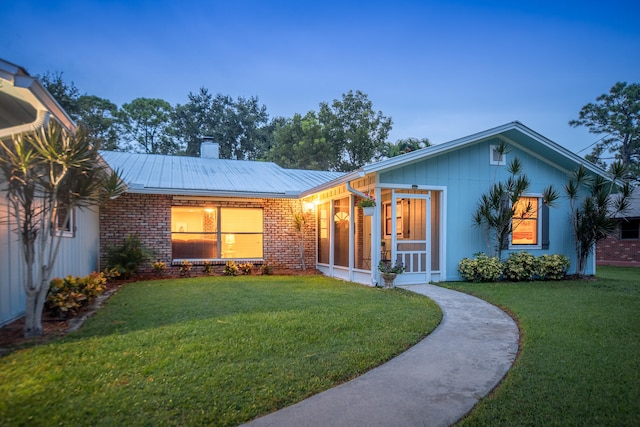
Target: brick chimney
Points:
(209, 149)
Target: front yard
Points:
(579, 362)
(210, 351)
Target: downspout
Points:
(352, 190)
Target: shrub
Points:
(246, 268)
(67, 296)
(266, 269)
(185, 268)
(520, 266)
(231, 269)
(480, 269)
(553, 267)
(126, 258)
(159, 267)
(207, 268)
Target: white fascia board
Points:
(333, 183)
(136, 189)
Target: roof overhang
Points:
(25, 105)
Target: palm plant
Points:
(594, 207)
(47, 173)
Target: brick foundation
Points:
(622, 253)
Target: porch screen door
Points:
(412, 239)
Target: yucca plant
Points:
(595, 201)
(46, 174)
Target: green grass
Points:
(210, 351)
(579, 362)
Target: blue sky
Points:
(440, 70)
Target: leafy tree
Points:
(240, 126)
(97, 115)
(403, 146)
(497, 208)
(615, 115)
(67, 95)
(358, 133)
(48, 173)
(145, 125)
(99, 118)
(300, 143)
(594, 205)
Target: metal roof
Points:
(180, 175)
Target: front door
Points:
(412, 238)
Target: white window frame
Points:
(69, 231)
(493, 148)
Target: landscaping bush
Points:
(246, 268)
(520, 267)
(207, 268)
(185, 268)
(480, 269)
(231, 269)
(266, 269)
(67, 296)
(552, 267)
(126, 258)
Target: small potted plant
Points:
(389, 272)
(368, 206)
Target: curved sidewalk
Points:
(434, 383)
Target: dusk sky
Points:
(440, 70)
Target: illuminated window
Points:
(525, 224)
(216, 233)
(65, 222)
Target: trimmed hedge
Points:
(518, 267)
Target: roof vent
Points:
(209, 149)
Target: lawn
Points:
(579, 362)
(210, 351)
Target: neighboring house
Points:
(623, 247)
(26, 105)
(208, 209)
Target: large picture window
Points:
(216, 232)
(525, 224)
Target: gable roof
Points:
(513, 133)
(180, 175)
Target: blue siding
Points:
(467, 174)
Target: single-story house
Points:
(26, 105)
(215, 210)
(623, 247)
(208, 209)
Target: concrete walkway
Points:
(434, 383)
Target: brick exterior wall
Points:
(613, 251)
(149, 217)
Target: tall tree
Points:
(145, 125)
(615, 115)
(240, 126)
(48, 173)
(300, 143)
(403, 146)
(96, 115)
(99, 117)
(67, 94)
(357, 131)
